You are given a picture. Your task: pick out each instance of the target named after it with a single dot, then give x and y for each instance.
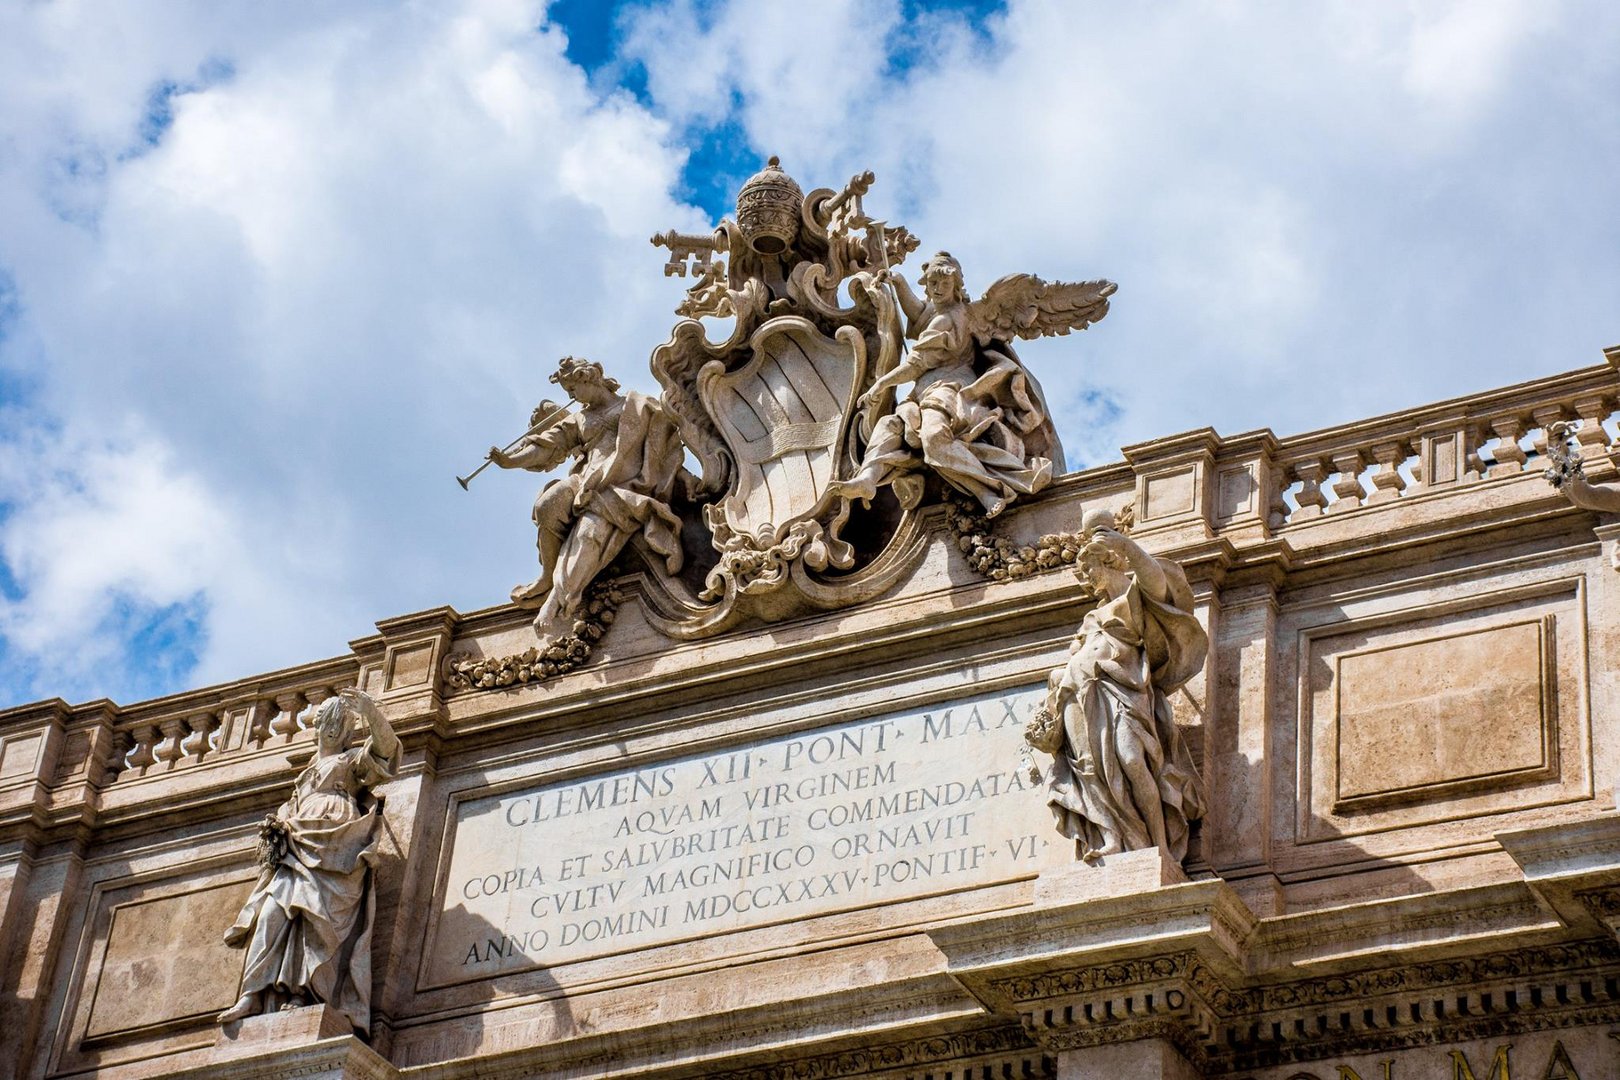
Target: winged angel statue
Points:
(975, 415)
(794, 416)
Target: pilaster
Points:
(1237, 831)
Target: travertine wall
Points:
(808, 848)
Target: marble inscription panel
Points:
(1553, 1055)
(893, 807)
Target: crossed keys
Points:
(687, 253)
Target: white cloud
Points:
(98, 524)
(1305, 206)
(342, 272)
(1461, 53)
(267, 343)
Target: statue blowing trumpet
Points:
(557, 414)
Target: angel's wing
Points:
(1022, 305)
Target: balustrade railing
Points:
(1480, 439)
(1470, 440)
(178, 733)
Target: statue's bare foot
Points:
(531, 595)
(849, 491)
(245, 1006)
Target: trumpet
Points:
(557, 415)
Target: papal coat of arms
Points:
(823, 402)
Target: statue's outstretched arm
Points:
(1588, 496)
(1144, 567)
(384, 742)
(540, 453)
(910, 303)
(898, 376)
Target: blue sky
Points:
(272, 275)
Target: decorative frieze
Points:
(1225, 1028)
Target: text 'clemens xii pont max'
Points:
(878, 810)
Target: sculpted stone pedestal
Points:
(318, 1039)
(287, 1027)
(1124, 874)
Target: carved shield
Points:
(784, 415)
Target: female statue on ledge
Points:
(307, 923)
(1122, 778)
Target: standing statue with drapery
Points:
(1122, 778)
(307, 924)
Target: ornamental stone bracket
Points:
(1183, 981)
(1573, 870)
(1120, 952)
(1183, 1012)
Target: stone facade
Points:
(806, 849)
(766, 787)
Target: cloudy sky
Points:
(271, 275)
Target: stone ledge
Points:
(278, 1031)
(1124, 874)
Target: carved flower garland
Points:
(1000, 559)
(601, 605)
(994, 557)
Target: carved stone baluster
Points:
(1277, 508)
(196, 744)
(168, 751)
(140, 758)
(286, 721)
(315, 695)
(1312, 503)
(1473, 464)
(259, 722)
(1348, 486)
(122, 742)
(1509, 458)
(1388, 483)
(1593, 440)
(1544, 418)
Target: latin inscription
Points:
(895, 807)
(1569, 1056)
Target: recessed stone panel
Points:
(1168, 495)
(1411, 717)
(891, 808)
(165, 961)
(19, 754)
(1437, 709)
(410, 666)
(1235, 489)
